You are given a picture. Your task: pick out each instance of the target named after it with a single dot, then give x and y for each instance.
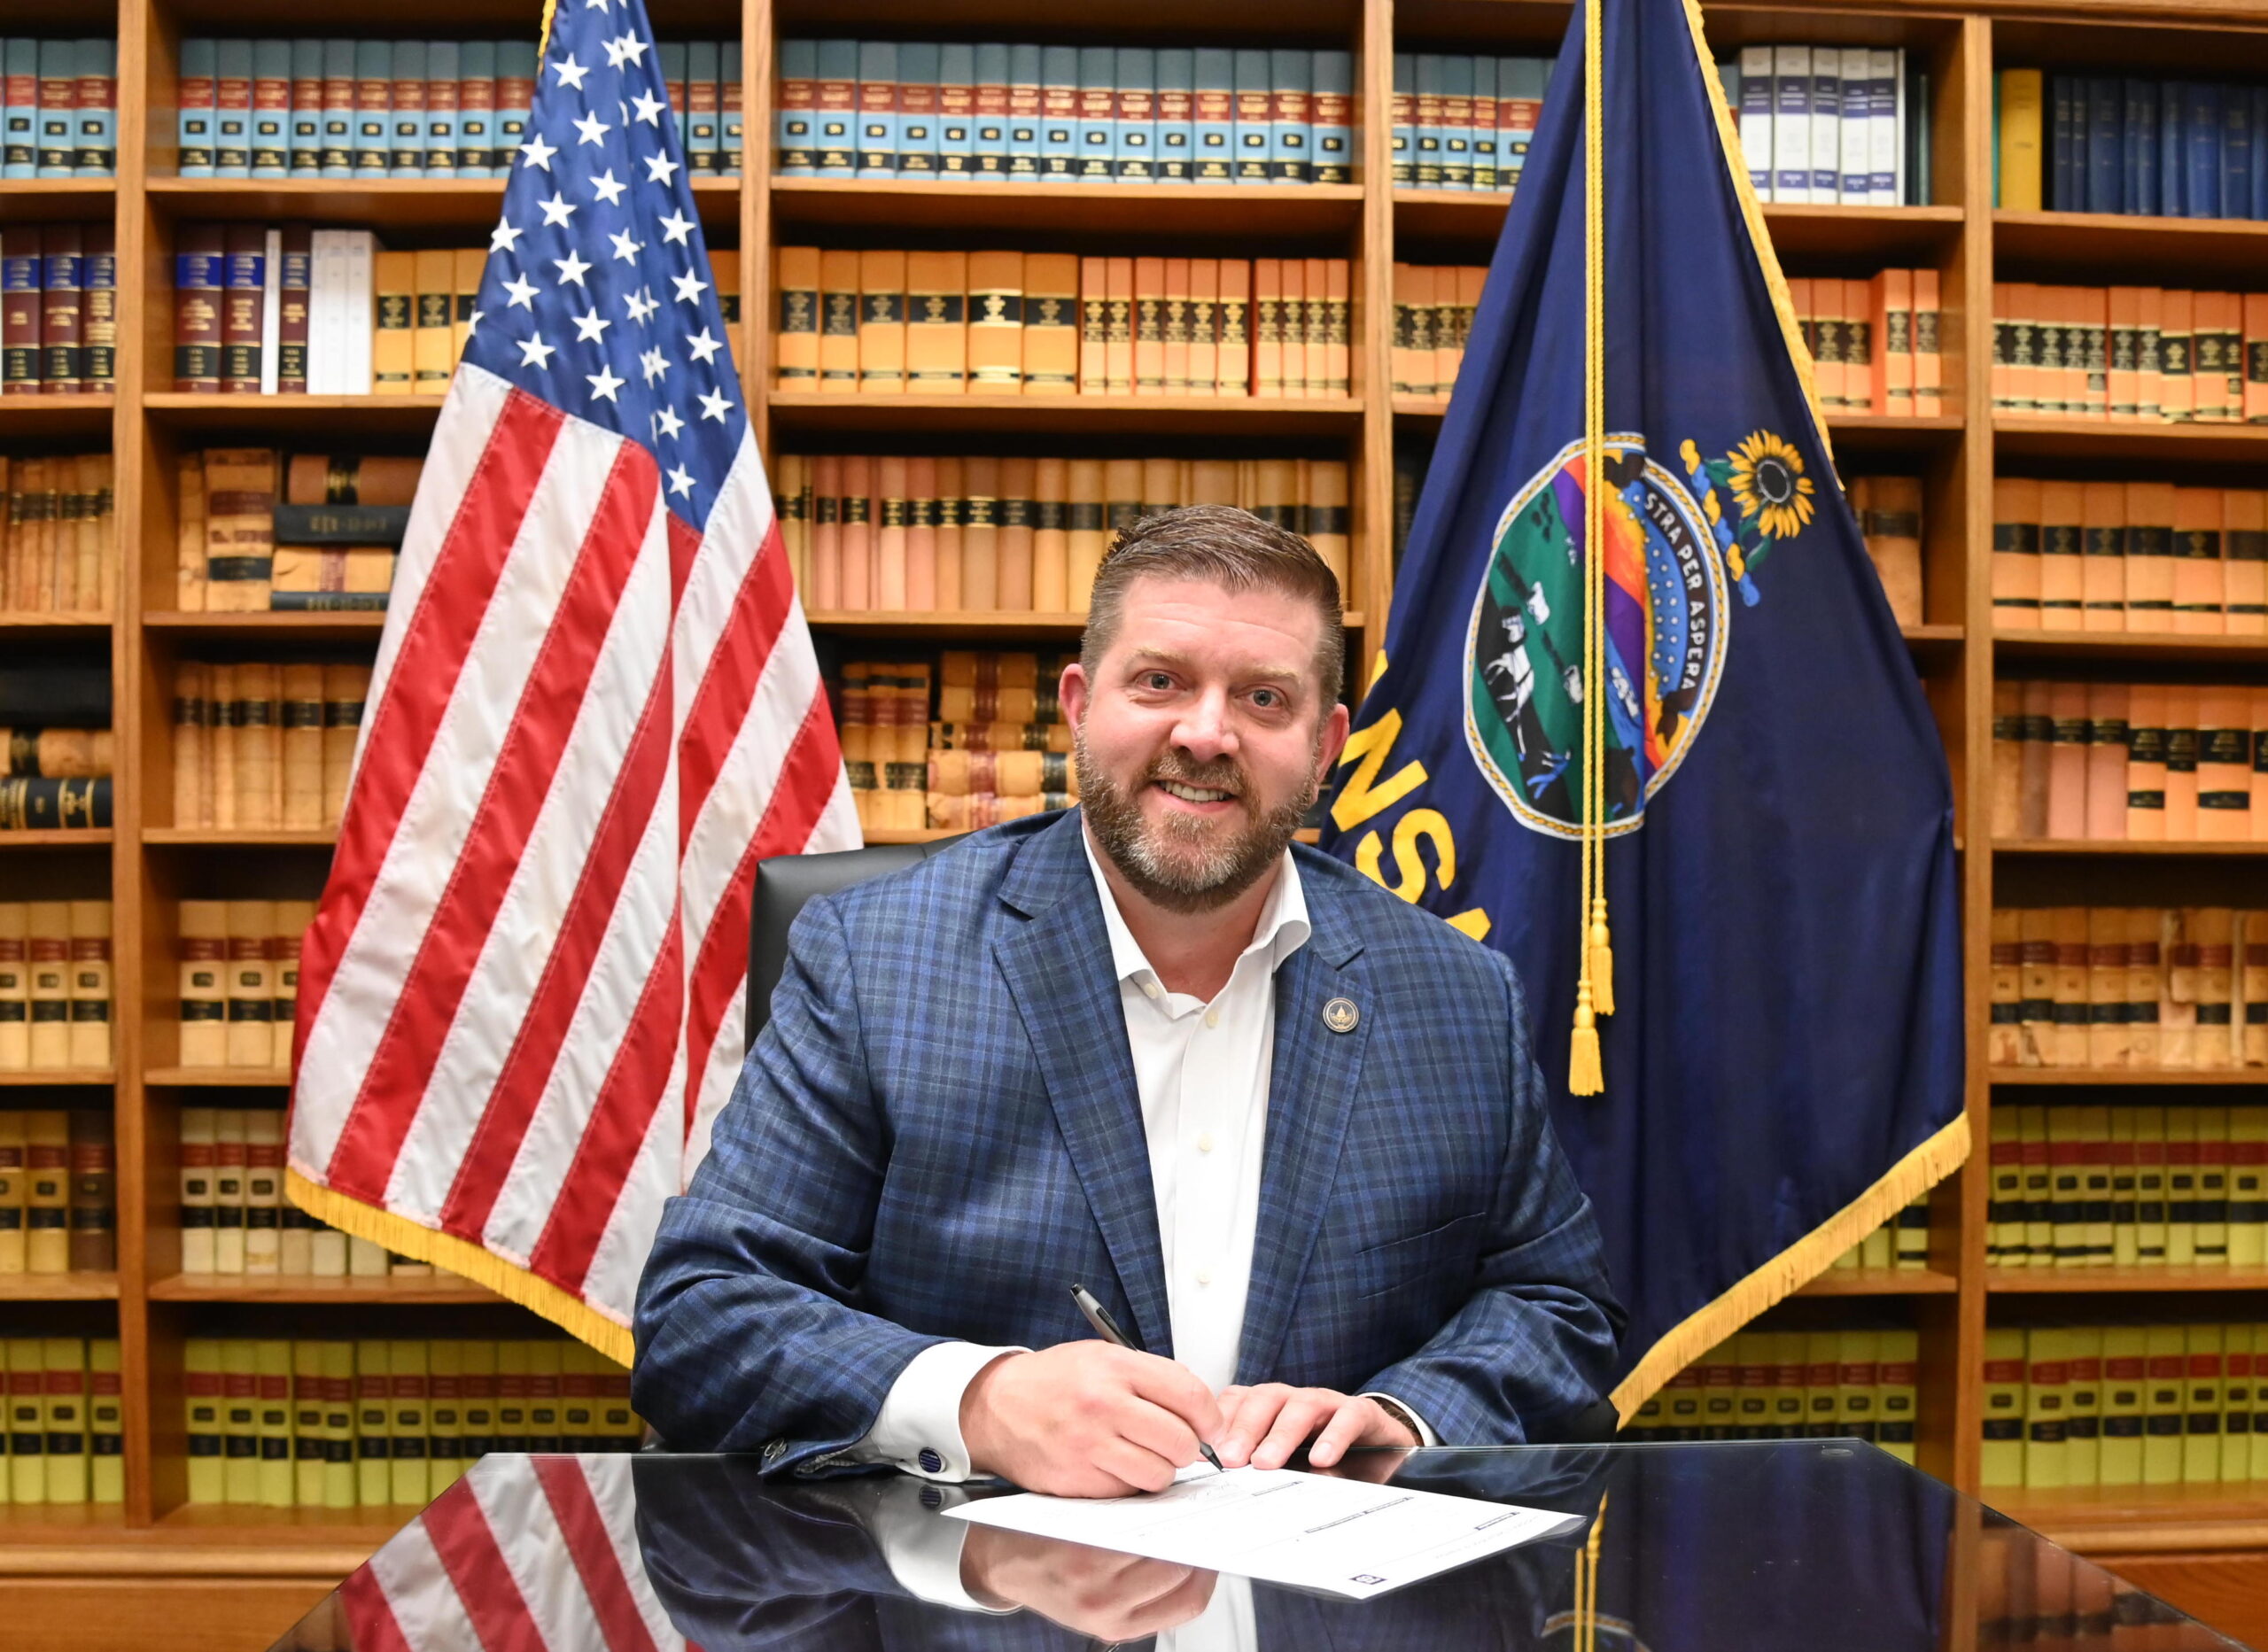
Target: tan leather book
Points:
(2008, 757)
(393, 349)
(1051, 310)
(1175, 327)
(979, 558)
(893, 513)
(92, 582)
(433, 324)
(1160, 486)
(882, 324)
(189, 536)
(2215, 356)
(1087, 535)
(2003, 1044)
(953, 533)
(1214, 482)
(1149, 327)
(2110, 1042)
(2244, 565)
(1204, 326)
(1412, 357)
(838, 323)
(1305, 352)
(1892, 295)
(1339, 321)
(791, 499)
(1449, 329)
(2198, 591)
(1019, 485)
(465, 265)
(2184, 709)
(995, 323)
(1234, 358)
(2257, 704)
(2252, 359)
(2149, 556)
(345, 689)
(1323, 486)
(936, 331)
(1929, 361)
(1051, 536)
(1094, 325)
(2067, 761)
(2072, 987)
(2103, 556)
(2106, 760)
(2146, 739)
(352, 479)
(192, 754)
(1118, 326)
(2150, 378)
(826, 532)
(2062, 546)
(1267, 369)
(920, 534)
(2145, 984)
(1121, 494)
(259, 774)
(2225, 764)
(359, 570)
(857, 513)
(2038, 734)
(239, 528)
(251, 986)
(292, 921)
(2177, 340)
(1892, 521)
(202, 950)
(226, 738)
(300, 739)
(47, 1199)
(2122, 374)
(49, 946)
(90, 983)
(724, 270)
(2212, 931)
(794, 344)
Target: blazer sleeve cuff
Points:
(918, 1428)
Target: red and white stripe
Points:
(520, 1004)
(480, 1567)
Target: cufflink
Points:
(930, 1461)
(773, 1448)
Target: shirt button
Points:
(1150, 989)
(1212, 1017)
(1205, 1142)
(1204, 1276)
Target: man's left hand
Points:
(1267, 1423)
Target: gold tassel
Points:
(1585, 1076)
(1601, 953)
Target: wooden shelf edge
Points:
(157, 1552)
(2072, 1281)
(289, 1288)
(2114, 846)
(2096, 1520)
(330, 619)
(29, 1076)
(57, 1288)
(1867, 1281)
(2111, 223)
(93, 837)
(224, 837)
(219, 1077)
(195, 401)
(978, 189)
(2050, 1077)
(2116, 641)
(1073, 406)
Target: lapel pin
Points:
(1341, 1015)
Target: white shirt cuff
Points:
(1426, 1435)
(922, 1548)
(919, 1425)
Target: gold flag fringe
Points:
(1792, 1269)
(515, 1284)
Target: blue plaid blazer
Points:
(938, 1130)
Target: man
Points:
(1284, 1126)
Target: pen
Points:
(1106, 1328)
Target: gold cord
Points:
(1593, 996)
(543, 39)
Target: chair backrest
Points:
(784, 882)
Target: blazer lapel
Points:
(1058, 967)
(1310, 1093)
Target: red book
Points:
(61, 352)
(243, 308)
(292, 286)
(199, 252)
(21, 268)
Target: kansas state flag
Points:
(1784, 1069)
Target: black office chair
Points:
(784, 882)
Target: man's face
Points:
(1202, 737)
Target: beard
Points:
(1184, 863)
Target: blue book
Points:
(2238, 160)
(231, 120)
(476, 153)
(2173, 146)
(406, 150)
(1481, 130)
(515, 65)
(1134, 160)
(989, 143)
(1426, 168)
(1058, 112)
(1332, 110)
(795, 130)
(2106, 168)
(268, 135)
(1023, 109)
(1255, 107)
(1290, 91)
(444, 66)
(917, 108)
(97, 154)
(731, 97)
(1215, 115)
(20, 118)
(1176, 139)
(955, 108)
(703, 140)
(1403, 161)
(2139, 149)
(373, 130)
(1098, 114)
(1456, 122)
(837, 109)
(306, 147)
(2201, 189)
(2259, 168)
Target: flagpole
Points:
(1594, 991)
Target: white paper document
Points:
(1305, 1531)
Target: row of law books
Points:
(1827, 126)
(263, 747)
(1433, 316)
(2112, 143)
(57, 715)
(2129, 354)
(58, 108)
(239, 971)
(2129, 556)
(410, 108)
(997, 747)
(1874, 343)
(1020, 111)
(58, 534)
(59, 1191)
(1792, 1384)
(2143, 986)
(235, 1220)
(256, 529)
(64, 1442)
(55, 985)
(2124, 1405)
(1464, 122)
(279, 1423)
(261, 310)
(2129, 1187)
(1055, 324)
(1016, 534)
(2174, 763)
(59, 309)
(1901, 1242)
(1889, 510)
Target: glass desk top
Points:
(1783, 1546)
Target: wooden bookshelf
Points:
(152, 864)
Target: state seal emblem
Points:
(1676, 547)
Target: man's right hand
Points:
(1086, 1419)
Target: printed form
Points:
(1275, 1525)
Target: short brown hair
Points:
(1232, 548)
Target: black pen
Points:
(1106, 1328)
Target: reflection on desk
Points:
(1798, 1546)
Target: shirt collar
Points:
(1282, 930)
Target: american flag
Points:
(595, 706)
